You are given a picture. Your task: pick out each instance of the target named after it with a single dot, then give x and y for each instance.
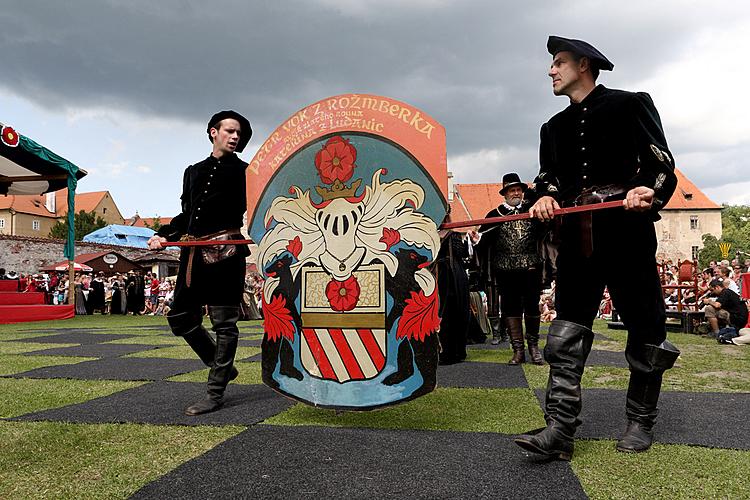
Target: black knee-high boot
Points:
(647, 369)
(224, 320)
(189, 325)
(532, 339)
(499, 331)
(515, 330)
(568, 346)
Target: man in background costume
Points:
(213, 203)
(510, 251)
(606, 145)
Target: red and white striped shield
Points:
(343, 354)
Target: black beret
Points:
(245, 133)
(557, 44)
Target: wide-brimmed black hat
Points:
(557, 44)
(245, 133)
(510, 180)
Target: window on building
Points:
(104, 210)
(694, 222)
(2, 223)
(695, 253)
(35, 225)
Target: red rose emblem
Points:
(390, 237)
(336, 160)
(295, 247)
(9, 137)
(343, 295)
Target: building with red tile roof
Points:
(34, 215)
(138, 221)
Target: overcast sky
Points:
(124, 88)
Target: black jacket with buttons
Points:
(213, 198)
(611, 137)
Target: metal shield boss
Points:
(344, 200)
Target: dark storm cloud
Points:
(478, 67)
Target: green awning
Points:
(28, 168)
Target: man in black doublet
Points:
(510, 253)
(213, 203)
(606, 145)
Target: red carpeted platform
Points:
(24, 313)
(15, 298)
(8, 285)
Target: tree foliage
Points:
(735, 222)
(156, 224)
(84, 223)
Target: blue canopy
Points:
(116, 234)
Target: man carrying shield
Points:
(213, 203)
(606, 145)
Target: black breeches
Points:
(219, 284)
(623, 260)
(519, 292)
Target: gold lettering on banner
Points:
(331, 115)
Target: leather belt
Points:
(226, 234)
(595, 194)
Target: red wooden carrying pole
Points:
(205, 243)
(526, 215)
(448, 225)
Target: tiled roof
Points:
(84, 201)
(139, 221)
(687, 196)
(477, 198)
(86, 257)
(34, 204)
(26, 204)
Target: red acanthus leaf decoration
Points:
(295, 247)
(343, 295)
(390, 237)
(420, 317)
(277, 321)
(9, 137)
(336, 160)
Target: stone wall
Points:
(25, 255)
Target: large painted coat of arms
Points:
(344, 201)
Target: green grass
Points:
(501, 355)
(11, 335)
(111, 460)
(15, 347)
(250, 374)
(185, 352)
(507, 411)
(14, 363)
(666, 471)
(20, 396)
(58, 460)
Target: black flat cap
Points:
(245, 133)
(557, 44)
(510, 180)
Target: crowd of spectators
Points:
(135, 294)
(121, 293)
(717, 292)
